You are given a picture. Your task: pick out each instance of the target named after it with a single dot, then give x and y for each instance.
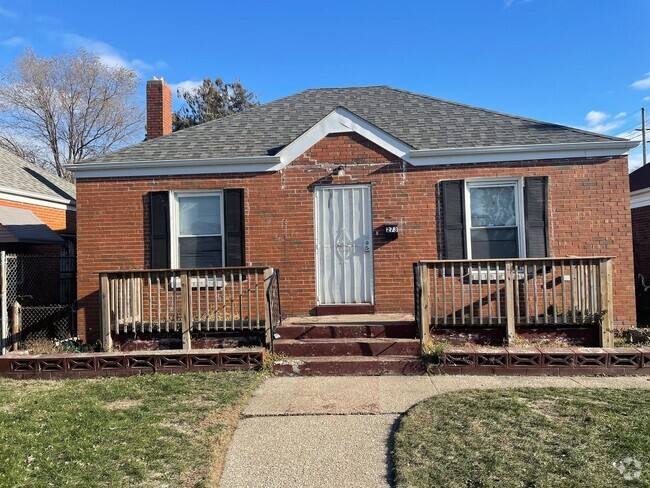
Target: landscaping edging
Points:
(544, 361)
(58, 366)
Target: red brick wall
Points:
(61, 221)
(589, 215)
(641, 242)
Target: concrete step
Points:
(347, 347)
(400, 330)
(350, 365)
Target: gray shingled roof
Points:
(420, 121)
(18, 174)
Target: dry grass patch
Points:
(147, 431)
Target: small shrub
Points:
(269, 359)
(433, 352)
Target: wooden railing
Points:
(187, 300)
(515, 292)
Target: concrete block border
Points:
(92, 365)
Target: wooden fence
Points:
(187, 300)
(515, 292)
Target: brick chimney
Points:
(159, 108)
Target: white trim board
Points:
(640, 198)
(340, 121)
(30, 198)
(529, 152)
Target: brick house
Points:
(344, 189)
(640, 203)
(37, 209)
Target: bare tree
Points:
(72, 106)
(24, 149)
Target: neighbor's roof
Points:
(18, 174)
(420, 121)
(18, 225)
(640, 178)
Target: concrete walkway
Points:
(337, 431)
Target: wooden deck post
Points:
(606, 304)
(186, 312)
(510, 304)
(268, 272)
(105, 313)
(423, 284)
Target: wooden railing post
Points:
(268, 272)
(510, 303)
(4, 319)
(606, 303)
(423, 285)
(186, 312)
(105, 312)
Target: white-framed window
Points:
(494, 220)
(197, 223)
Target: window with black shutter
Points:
(495, 218)
(197, 229)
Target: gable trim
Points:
(340, 121)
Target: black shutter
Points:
(453, 204)
(159, 230)
(234, 227)
(536, 215)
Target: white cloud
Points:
(594, 117)
(646, 99)
(186, 85)
(108, 54)
(643, 83)
(8, 14)
(598, 121)
(15, 41)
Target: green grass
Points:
(157, 430)
(525, 438)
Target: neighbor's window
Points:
(494, 227)
(199, 230)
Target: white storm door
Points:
(343, 230)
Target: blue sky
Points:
(584, 63)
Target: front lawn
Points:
(157, 430)
(526, 438)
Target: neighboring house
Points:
(37, 209)
(640, 203)
(343, 189)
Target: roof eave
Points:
(250, 164)
(332, 124)
(527, 152)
